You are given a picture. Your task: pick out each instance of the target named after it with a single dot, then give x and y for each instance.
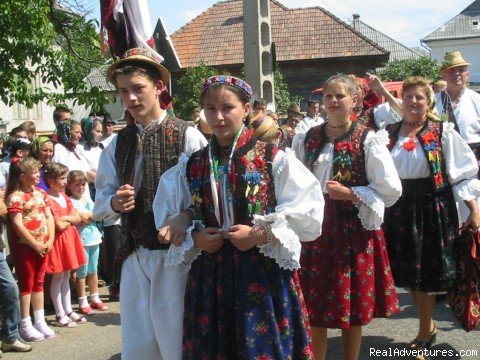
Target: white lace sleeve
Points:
(384, 186)
(298, 215)
(187, 252)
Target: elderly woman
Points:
(42, 150)
(435, 164)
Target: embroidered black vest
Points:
(430, 138)
(250, 181)
(348, 165)
(162, 145)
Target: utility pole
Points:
(257, 49)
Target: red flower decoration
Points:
(259, 162)
(344, 146)
(410, 144)
(428, 138)
(244, 160)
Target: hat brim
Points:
(456, 65)
(164, 74)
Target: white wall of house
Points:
(468, 47)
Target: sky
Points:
(406, 21)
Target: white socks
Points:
(82, 302)
(95, 298)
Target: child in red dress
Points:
(67, 253)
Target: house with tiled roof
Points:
(311, 44)
(461, 33)
(397, 50)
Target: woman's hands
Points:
(209, 240)
(337, 191)
(244, 237)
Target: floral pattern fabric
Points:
(241, 304)
(345, 274)
(32, 206)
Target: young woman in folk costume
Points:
(345, 273)
(252, 204)
(435, 164)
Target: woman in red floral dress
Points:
(345, 273)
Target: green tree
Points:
(282, 95)
(45, 42)
(399, 70)
(188, 97)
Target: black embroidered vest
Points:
(348, 165)
(430, 139)
(250, 181)
(162, 145)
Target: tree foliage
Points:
(399, 70)
(282, 95)
(47, 49)
(188, 95)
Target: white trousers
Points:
(151, 307)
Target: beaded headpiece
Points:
(228, 80)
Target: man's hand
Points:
(210, 239)
(124, 199)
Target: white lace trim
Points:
(371, 209)
(187, 252)
(467, 189)
(380, 138)
(285, 248)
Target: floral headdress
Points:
(228, 80)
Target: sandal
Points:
(87, 310)
(64, 321)
(79, 319)
(422, 345)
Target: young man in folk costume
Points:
(151, 296)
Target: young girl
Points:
(253, 203)
(31, 236)
(91, 237)
(67, 253)
(345, 273)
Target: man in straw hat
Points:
(457, 104)
(151, 295)
(460, 105)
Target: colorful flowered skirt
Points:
(420, 231)
(345, 273)
(241, 305)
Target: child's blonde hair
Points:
(18, 167)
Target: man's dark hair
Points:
(16, 130)
(312, 101)
(260, 102)
(60, 110)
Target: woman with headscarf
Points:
(42, 150)
(66, 152)
(91, 146)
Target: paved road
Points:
(100, 337)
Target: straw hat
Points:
(453, 59)
(261, 123)
(143, 56)
(294, 110)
